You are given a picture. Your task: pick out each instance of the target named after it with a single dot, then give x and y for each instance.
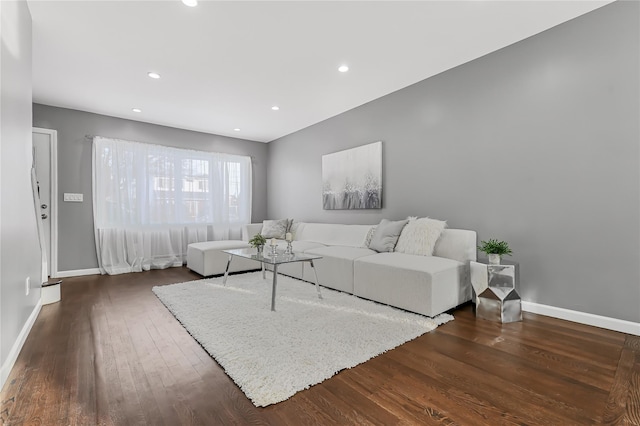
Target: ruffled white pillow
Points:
(275, 228)
(367, 240)
(419, 236)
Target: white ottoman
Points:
(207, 258)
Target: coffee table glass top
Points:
(266, 257)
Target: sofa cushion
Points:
(250, 229)
(386, 235)
(426, 285)
(303, 246)
(275, 228)
(335, 269)
(331, 234)
(419, 236)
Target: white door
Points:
(44, 152)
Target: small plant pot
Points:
(260, 248)
(494, 259)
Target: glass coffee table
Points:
(276, 259)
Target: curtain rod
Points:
(90, 138)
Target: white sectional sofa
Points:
(427, 285)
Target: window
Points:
(162, 183)
(138, 184)
(151, 201)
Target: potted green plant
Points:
(258, 241)
(495, 250)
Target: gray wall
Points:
(19, 244)
(536, 144)
(76, 241)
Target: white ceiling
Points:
(225, 64)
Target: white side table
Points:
(496, 295)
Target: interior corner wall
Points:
(19, 245)
(536, 144)
(76, 239)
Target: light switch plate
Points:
(73, 198)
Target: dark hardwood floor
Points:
(111, 354)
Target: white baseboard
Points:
(615, 324)
(78, 273)
(17, 346)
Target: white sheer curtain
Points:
(151, 201)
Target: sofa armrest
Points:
(250, 229)
(457, 244)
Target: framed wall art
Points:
(352, 179)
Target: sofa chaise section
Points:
(427, 285)
(207, 258)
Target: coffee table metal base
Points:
(275, 279)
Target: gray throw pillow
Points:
(386, 235)
(275, 228)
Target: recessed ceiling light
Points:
(153, 74)
(236, 130)
(343, 68)
(275, 107)
(136, 110)
(190, 3)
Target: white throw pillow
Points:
(419, 236)
(295, 226)
(275, 228)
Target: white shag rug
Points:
(273, 355)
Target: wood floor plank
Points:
(24, 391)
(58, 404)
(524, 373)
(488, 389)
(109, 353)
(438, 400)
(124, 397)
(623, 403)
(522, 345)
(574, 329)
(82, 409)
(632, 411)
(151, 378)
(601, 353)
(411, 411)
(368, 379)
(305, 413)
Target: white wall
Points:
(19, 246)
(76, 244)
(536, 144)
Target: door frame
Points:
(53, 212)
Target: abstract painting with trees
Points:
(352, 179)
